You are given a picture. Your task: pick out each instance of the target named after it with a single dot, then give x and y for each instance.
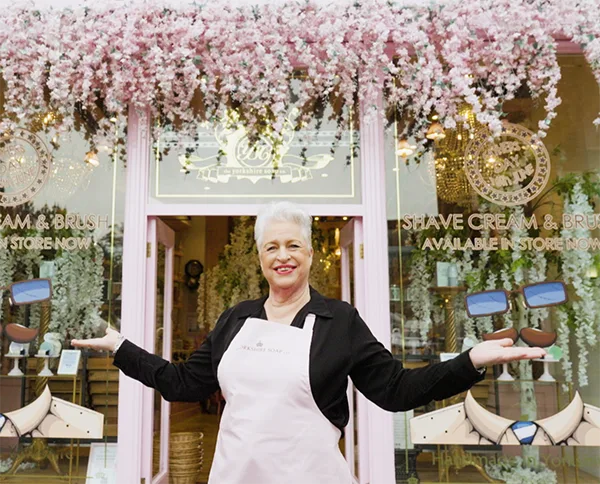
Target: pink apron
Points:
(272, 431)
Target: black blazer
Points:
(342, 347)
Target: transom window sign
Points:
(221, 161)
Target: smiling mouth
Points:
(284, 269)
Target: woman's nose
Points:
(282, 254)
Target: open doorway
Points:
(214, 266)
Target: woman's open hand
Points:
(107, 343)
(502, 351)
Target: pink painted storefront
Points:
(365, 235)
(404, 231)
(384, 192)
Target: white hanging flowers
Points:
(563, 332)
(6, 464)
(419, 295)
(77, 293)
(574, 267)
(7, 267)
(537, 273)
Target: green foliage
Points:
(590, 183)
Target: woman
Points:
(282, 363)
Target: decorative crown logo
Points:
(259, 344)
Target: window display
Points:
(60, 270)
(504, 244)
(470, 424)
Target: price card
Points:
(69, 362)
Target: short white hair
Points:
(283, 212)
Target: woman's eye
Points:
(270, 249)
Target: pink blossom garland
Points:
(148, 54)
(580, 21)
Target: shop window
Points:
(216, 162)
(471, 215)
(61, 219)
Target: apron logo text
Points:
(259, 348)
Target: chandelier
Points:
(69, 175)
(449, 152)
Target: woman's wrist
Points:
(120, 339)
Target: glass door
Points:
(351, 245)
(159, 303)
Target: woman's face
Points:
(285, 257)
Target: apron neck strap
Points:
(309, 322)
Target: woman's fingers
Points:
(520, 353)
(94, 343)
(502, 351)
(504, 342)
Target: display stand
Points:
(406, 466)
(16, 371)
(506, 397)
(546, 375)
(39, 451)
(454, 456)
(46, 369)
(505, 375)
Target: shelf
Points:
(104, 387)
(103, 376)
(34, 377)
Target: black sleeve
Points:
(191, 381)
(383, 380)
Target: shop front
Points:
(453, 179)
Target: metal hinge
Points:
(362, 251)
(148, 249)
